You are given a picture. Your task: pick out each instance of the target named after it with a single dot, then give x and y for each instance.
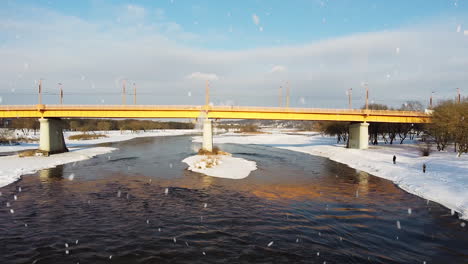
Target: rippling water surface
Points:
(295, 208)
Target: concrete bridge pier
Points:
(207, 135)
(51, 136)
(359, 136)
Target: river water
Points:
(140, 205)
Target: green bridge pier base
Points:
(207, 135)
(51, 136)
(359, 136)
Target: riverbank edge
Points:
(377, 161)
(14, 167)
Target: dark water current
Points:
(295, 208)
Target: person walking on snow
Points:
(424, 167)
(394, 159)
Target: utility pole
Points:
(61, 93)
(207, 93)
(458, 95)
(124, 92)
(280, 99)
(134, 93)
(350, 90)
(367, 97)
(430, 101)
(287, 95)
(40, 91)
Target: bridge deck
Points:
(214, 112)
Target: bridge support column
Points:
(51, 137)
(359, 136)
(207, 135)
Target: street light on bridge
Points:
(40, 92)
(134, 94)
(60, 93)
(124, 82)
(350, 90)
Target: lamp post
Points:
(124, 91)
(134, 94)
(458, 95)
(350, 90)
(60, 93)
(431, 100)
(40, 92)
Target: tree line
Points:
(449, 126)
(28, 125)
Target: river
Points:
(140, 205)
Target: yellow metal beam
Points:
(215, 112)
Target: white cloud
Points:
(136, 10)
(203, 76)
(152, 56)
(255, 19)
(160, 14)
(278, 68)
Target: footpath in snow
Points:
(445, 181)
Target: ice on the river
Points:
(224, 166)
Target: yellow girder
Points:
(214, 112)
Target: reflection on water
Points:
(52, 174)
(313, 210)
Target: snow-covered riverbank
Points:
(445, 181)
(111, 136)
(12, 167)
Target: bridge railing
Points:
(209, 108)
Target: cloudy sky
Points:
(404, 50)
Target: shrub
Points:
(425, 149)
(86, 136)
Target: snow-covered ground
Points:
(225, 166)
(445, 181)
(12, 167)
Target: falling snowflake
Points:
(270, 244)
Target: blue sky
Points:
(245, 48)
(229, 24)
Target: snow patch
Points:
(12, 167)
(221, 166)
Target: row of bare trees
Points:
(32, 124)
(449, 126)
(388, 132)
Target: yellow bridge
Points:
(52, 140)
(211, 112)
